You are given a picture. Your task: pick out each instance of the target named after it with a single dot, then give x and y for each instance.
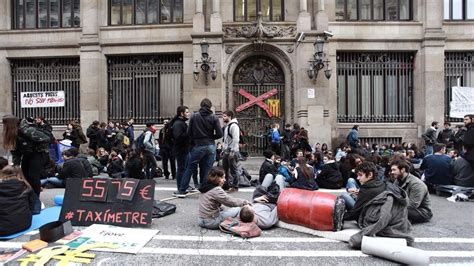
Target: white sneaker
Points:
(42, 206)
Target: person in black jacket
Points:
(330, 176)
(17, 201)
(93, 135)
(204, 128)
(134, 165)
(73, 167)
(180, 148)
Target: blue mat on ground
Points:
(47, 215)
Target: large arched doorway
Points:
(262, 78)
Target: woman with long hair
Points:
(29, 148)
(17, 201)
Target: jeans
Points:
(231, 169)
(351, 183)
(203, 156)
(167, 155)
(181, 160)
(279, 179)
(428, 150)
(150, 164)
(213, 223)
(56, 182)
(349, 200)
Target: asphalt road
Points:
(449, 239)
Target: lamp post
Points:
(319, 61)
(206, 64)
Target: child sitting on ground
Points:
(17, 201)
(213, 196)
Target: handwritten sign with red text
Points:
(124, 202)
(42, 99)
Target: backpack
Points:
(236, 227)
(139, 142)
(241, 133)
(126, 141)
(167, 135)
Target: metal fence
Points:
(380, 140)
(375, 87)
(37, 75)
(144, 87)
(458, 67)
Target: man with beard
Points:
(419, 206)
(204, 128)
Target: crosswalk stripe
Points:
(248, 190)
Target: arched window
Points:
(136, 12)
(246, 10)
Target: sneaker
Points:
(191, 189)
(180, 194)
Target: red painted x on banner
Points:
(256, 100)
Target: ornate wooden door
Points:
(262, 78)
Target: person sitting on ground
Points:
(286, 171)
(213, 197)
(380, 208)
(102, 156)
(17, 200)
(330, 176)
(115, 166)
(84, 161)
(134, 165)
(463, 172)
(73, 167)
(304, 176)
(269, 173)
(436, 167)
(97, 167)
(419, 206)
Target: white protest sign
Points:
(42, 99)
(462, 103)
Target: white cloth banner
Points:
(462, 103)
(42, 99)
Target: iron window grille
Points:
(247, 10)
(375, 87)
(139, 12)
(144, 87)
(42, 14)
(374, 10)
(37, 75)
(458, 67)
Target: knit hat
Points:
(268, 154)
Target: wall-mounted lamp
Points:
(206, 63)
(319, 61)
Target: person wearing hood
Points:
(204, 128)
(330, 176)
(17, 200)
(380, 208)
(213, 197)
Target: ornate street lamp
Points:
(206, 64)
(318, 62)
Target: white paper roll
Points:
(394, 249)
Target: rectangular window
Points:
(42, 14)
(39, 75)
(470, 9)
(145, 87)
(375, 87)
(247, 10)
(139, 12)
(363, 10)
(447, 10)
(458, 9)
(458, 68)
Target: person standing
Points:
(446, 136)
(180, 147)
(230, 150)
(468, 139)
(93, 135)
(29, 148)
(275, 139)
(286, 143)
(204, 128)
(353, 137)
(130, 131)
(149, 150)
(165, 140)
(430, 138)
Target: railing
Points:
(375, 87)
(36, 75)
(458, 67)
(144, 87)
(380, 140)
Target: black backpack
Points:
(167, 138)
(140, 146)
(241, 132)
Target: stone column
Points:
(5, 15)
(198, 19)
(303, 22)
(321, 18)
(216, 19)
(429, 105)
(92, 93)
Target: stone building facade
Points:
(389, 67)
